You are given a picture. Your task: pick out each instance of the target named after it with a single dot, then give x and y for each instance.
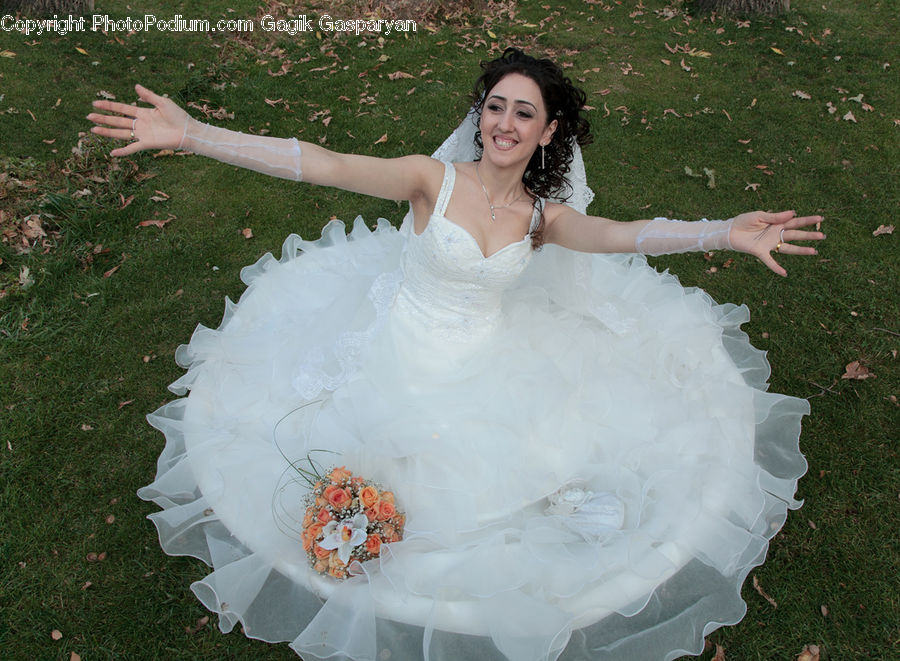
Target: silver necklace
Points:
(488, 197)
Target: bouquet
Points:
(348, 518)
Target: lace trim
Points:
(312, 378)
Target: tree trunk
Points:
(42, 8)
(743, 7)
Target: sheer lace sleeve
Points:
(662, 236)
(278, 157)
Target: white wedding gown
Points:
(476, 388)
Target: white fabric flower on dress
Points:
(592, 515)
(345, 535)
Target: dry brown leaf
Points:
(125, 403)
(197, 626)
(883, 229)
(397, 75)
(156, 222)
(74, 657)
(800, 94)
(110, 519)
(381, 139)
(247, 232)
(809, 653)
(56, 634)
(720, 653)
(857, 371)
(849, 117)
(758, 588)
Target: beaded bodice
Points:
(450, 288)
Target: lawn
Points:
(107, 265)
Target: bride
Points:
(586, 454)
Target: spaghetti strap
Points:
(440, 205)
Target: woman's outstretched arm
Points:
(757, 233)
(167, 126)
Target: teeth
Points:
(504, 143)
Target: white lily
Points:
(345, 535)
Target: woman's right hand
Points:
(159, 127)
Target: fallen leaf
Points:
(883, 229)
(156, 222)
(86, 427)
(110, 519)
(752, 187)
(824, 610)
(777, 50)
(125, 403)
(758, 588)
(809, 653)
(25, 278)
(849, 117)
(247, 232)
(81, 50)
(202, 622)
(159, 197)
(381, 139)
(397, 75)
(800, 94)
(7, 53)
(857, 371)
(74, 657)
(56, 634)
(720, 654)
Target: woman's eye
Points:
(526, 115)
(494, 108)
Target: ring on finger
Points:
(778, 246)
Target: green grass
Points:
(84, 357)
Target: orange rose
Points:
(321, 566)
(338, 475)
(394, 538)
(387, 530)
(385, 510)
(371, 514)
(373, 544)
(388, 496)
(338, 498)
(324, 516)
(337, 572)
(368, 496)
(321, 502)
(321, 553)
(334, 560)
(307, 541)
(308, 517)
(315, 530)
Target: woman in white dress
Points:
(587, 456)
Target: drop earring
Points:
(542, 158)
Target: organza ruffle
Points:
(603, 373)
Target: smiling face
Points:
(514, 120)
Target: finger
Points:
(117, 134)
(147, 95)
(112, 120)
(769, 261)
(779, 218)
(800, 235)
(115, 106)
(788, 249)
(805, 221)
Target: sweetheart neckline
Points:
(471, 237)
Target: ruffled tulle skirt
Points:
(605, 377)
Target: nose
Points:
(506, 123)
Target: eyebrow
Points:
(504, 99)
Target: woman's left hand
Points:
(761, 233)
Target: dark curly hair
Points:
(564, 103)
